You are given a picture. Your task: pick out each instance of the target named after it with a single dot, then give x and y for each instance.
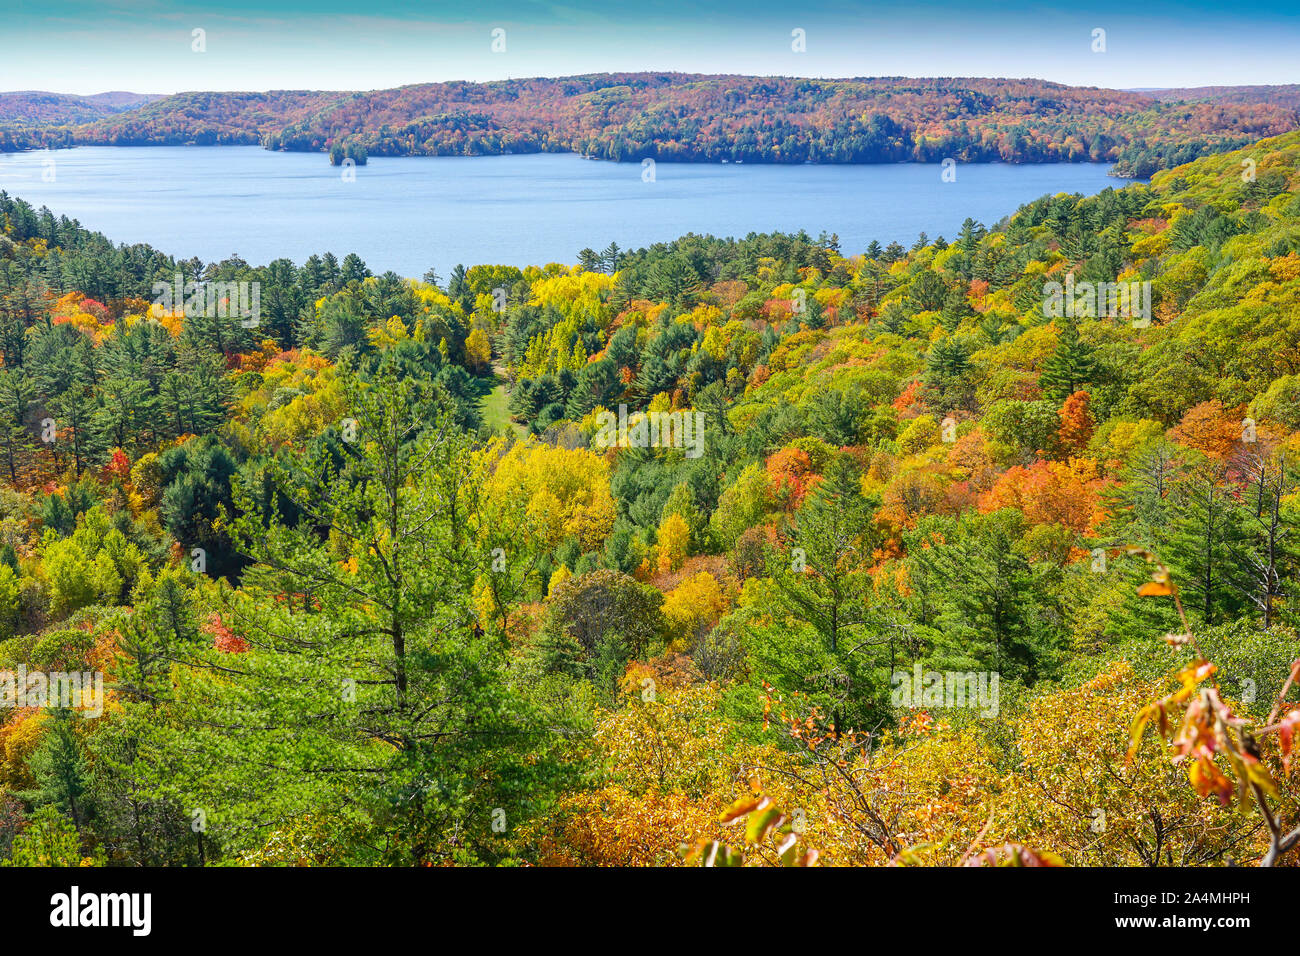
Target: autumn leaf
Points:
(1155, 589)
(1286, 736)
(741, 808)
(712, 853)
(1013, 854)
(762, 822)
(1208, 779)
(1138, 728)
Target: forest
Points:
(946, 577)
(690, 118)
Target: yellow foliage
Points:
(390, 333)
(558, 577)
(1286, 268)
(565, 491)
(18, 739)
(695, 605)
(1149, 246)
(1075, 793)
(671, 770)
(567, 292)
(307, 395)
(674, 543)
(478, 350)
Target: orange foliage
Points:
(118, 467)
(1051, 492)
(1076, 423)
(908, 397)
(20, 735)
(223, 638)
(970, 455)
(789, 471)
(714, 564)
(1286, 268)
(958, 497)
(1209, 428)
(913, 495)
(613, 827)
(729, 291)
(1148, 226)
(80, 312)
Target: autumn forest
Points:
(763, 545)
(688, 118)
(718, 552)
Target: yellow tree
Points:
(674, 543)
(1075, 792)
(565, 489)
(694, 606)
(478, 350)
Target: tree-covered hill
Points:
(36, 108)
(706, 118)
(27, 117)
(1287, 94)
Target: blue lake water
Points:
(412, 213)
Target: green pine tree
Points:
(1071, 366)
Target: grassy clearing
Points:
(494, 405)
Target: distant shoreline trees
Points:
(627, 117)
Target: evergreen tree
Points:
(16, 395)
(611, 257)
(947, 374)
(1203, 539)
(821, 579)
(367, 690)
(989, 605)
(1071, 367)
(59, 769)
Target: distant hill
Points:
(38, 108)
(1287, 96)
(707, 118)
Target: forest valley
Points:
(364, 588)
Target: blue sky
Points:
(76, 46)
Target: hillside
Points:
(35, 108)
(31, 117)
(1286, 95)
(920, 567)
(704, 118)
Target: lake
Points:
(412, 213)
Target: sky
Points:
(150, 46)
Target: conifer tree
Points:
(1071, 367)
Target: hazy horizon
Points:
(148, 46)
(563, 76)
